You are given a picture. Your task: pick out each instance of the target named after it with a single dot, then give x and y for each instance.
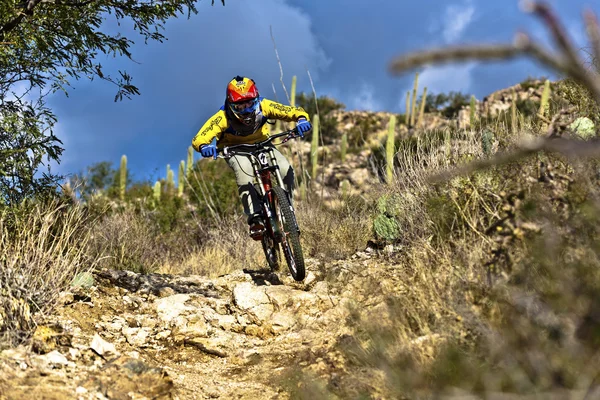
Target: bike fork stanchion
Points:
(270, 215)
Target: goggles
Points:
(244, 107)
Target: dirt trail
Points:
(137, 336)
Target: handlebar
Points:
(229, 151)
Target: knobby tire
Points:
(290, 244)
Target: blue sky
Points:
(346, 45)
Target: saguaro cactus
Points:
(389, 149)
(407, 115)
(545, 99)
(513, 111)
(181, 178)
(303, 190)
(345, 186)
(422, 108)
(156, 192)
(344, 146)
(190, 161)
(487, 138)
(314, 146)
(413, 107)
(123, 177)
(170, 179)
(293, 92)
(472, 115)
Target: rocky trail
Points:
(132, 336)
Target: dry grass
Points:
(41, 250)
(228, 248)
(334, 232)
(126, 240)
(493, 281)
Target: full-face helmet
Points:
(242, 99)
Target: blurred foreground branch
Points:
(565, 60)
(566, 147)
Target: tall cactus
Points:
(190, 161)
(293, 104)
(447, 146)
(314, 146)
(156, 192)
(344, 146)
(487, 138)
(123, 177)
(345, 186)
(181, 178)
(407, 115)
(513, 111)
(389, 149)
(545, 99)
(422, 107)
(303, 190)
(293, 92)
(472, 115)
(413, 106)
(170, 179)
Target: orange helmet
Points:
(242, 99)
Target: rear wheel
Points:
(290, 240)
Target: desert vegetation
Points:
(482, 217)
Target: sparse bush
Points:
(446, 104)
(328, 124)
(334, 232)
(225, 249)
(534, 83)
(42, 247)
(125, 240)
(360, 130)
(211, 188)
(528, 107)
(577, 95)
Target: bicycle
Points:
(281, 226)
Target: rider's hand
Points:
(303, 126)
(209, 150)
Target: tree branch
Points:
(565, 63)
(593, 32)
(12, 24)
(567, 147)
(68, 3)
(565, 60)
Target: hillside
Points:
(482, 284)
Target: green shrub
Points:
(212, 188)
(531, 82)
(362, 128)
(447, 104)
(528, 107)
(385, 224)
(328, 124)
(577, 95)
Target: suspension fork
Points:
(282, 185)
(263, 177)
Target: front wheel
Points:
(290, 240)
(271, 251)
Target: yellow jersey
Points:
(228, 130)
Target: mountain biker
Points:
(243, 120)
